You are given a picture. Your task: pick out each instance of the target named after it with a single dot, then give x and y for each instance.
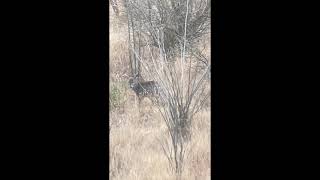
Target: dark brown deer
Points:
(149, 89)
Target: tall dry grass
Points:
(135, 140)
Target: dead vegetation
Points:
(137, 141)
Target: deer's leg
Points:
(135, 100)
(154, 101)
(139, 103)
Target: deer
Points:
(142, 89)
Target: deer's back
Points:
(148, 88)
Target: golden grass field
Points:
(135, 141)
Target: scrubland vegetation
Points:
(142, 144)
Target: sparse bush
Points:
(117, 95)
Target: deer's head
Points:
(133, 82)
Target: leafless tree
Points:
(162, 41)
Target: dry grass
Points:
(135, 152)
(135, 141)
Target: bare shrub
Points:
(117, 96)
(180, 70)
